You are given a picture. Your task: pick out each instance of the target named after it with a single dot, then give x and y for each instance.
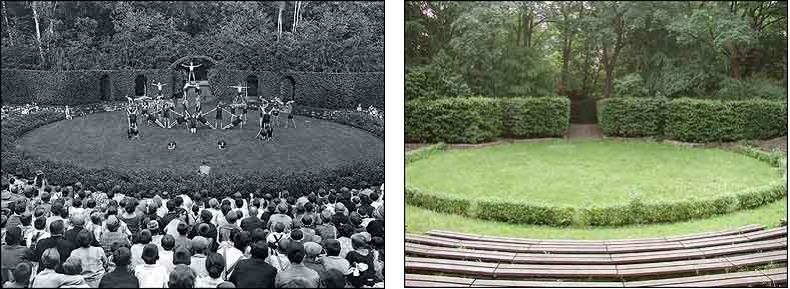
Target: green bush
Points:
(453, 120)
(535, 117)
(524, 213)
(694, 120)
(776, 159)
(438, 204)
(632, 117)
(423, 152)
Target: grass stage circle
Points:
(99, 140)
(598, 173)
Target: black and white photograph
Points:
(192, 144)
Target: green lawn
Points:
(420, 220)
(589, 172)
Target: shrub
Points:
(424, 152)
(453, 120)
(524, 213)
(695, 120)
(632, 117)
(438, 204)
(535, 117)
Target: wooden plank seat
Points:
(593, 259)
(569, 248)
(513, 240)
(628, 271)
(768, 277)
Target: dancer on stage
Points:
(218, 116)
(68, 112)
(235, 120)
(288, 109)
(277, 104)
(240, 93)
(191, 75)
(265, 131)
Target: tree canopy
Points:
(726, 50)
(298, 35)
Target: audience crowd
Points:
(75, 236)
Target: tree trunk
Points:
(8, 25)
(519, 30)
(34, 5)
(735, 64)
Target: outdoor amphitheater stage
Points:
(100, 140)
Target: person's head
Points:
(76, 203)
(144, 237)
(77, 220)
(226, 284)
(295, 253)
(182, 229)
(72, 266)
(279, 227)
(332, 247)
(168, 242)
(50, 258)
(22, 273)
(239, 202)
(153, 227)
(171, 205)
(122, 256)
(90, 203)
(241, 240)
(297, 235)
(259, 249)
(225, 207)
(307, 220)
(253, 211)
(206, 216)
(84, 238)
(57, 227)
(358, 242)
(182, 277)
(215, 264)
(150, 254)
(45, 197)
(26, 218)
(203, 230)
(345, 230)
(282, 208)
(182, 256)
(112, 210)
(40, 223)
(333, 279)
(20, 207)
(113, 223)
(312, 250)
(213, 203)
(199, 245)
(258, 234)
(96, 217)
(14, 236)
(231, 217)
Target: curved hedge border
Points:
(694, 120)
(636, 212)
(361, 174)
(480, 119)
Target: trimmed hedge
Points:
(694, 120)
(479, 119)
(437, 204)
(535, 117)
(361, 174)
(632, 117)
(453, 120)
(424, 152)
(636, 212)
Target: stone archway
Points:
(140, 85)
(287, 88)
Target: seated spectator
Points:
(94, 262)
(182, 277)
(130, 217)
(21, 276)
(233, 254)
(252, 221)
(182, 256)
(78, 224)
(14, 252)
(166, 255)
(326, 229)
(198, 260)
(215, 266)
(48, 278)
(297, 274)
(181, 239)
(254, 272)
(279, 258)
(141, 239)
(156, 234)
(226, 230)
(344, 237)
(311, 251)
(333, 260)
(73, 267)
(121, 277)
(113, 236)
(281, 217)
(56, 240)
(333, 279)
(95, 225)
(151, 274)
(361, 261)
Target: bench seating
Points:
(745, 256)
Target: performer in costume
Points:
(275, 111)
(68, 112)
(288, 109)
(221, 144)
(193, 124)
(171, 145)
(235, 121)
(191, 75)
(218, 117)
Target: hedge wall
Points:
(478, 119)
(535, 117)
(316, 89)
(632, 117)
(361, 174)
(694, 120)
(636, 212)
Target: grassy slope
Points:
(421, 220)
(584, 173)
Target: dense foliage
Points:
(362, 174)
(726, 50)
(478, 119)
(694, 120)
(318, 36)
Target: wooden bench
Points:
(697, 260)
